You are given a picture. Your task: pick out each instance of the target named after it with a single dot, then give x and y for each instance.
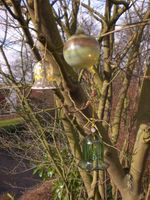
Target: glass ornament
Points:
(93, 154)
(81, 51)
(43, 76)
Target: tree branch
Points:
(7, 4)
(17, 8)
(142, 143)
(139, 157)
(73, 23)
(131, 64)
(120, 2)
(100, 18)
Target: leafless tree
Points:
(103, 96)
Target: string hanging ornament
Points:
(92, 154)
(81, 50)
(43, 76)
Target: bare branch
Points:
(7, 4)
(24, 25)
(92, 11)
(73, 23)
(119, 2)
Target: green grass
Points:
(10, 122)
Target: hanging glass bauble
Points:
(92, 154)
(81, 51)
(43, 76)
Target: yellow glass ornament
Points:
(43, 76)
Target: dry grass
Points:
(5, 196)
(40, 192)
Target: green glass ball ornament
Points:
(81, 50)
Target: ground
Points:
(15, 177)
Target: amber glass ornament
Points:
(43, 76)
(81, 51)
